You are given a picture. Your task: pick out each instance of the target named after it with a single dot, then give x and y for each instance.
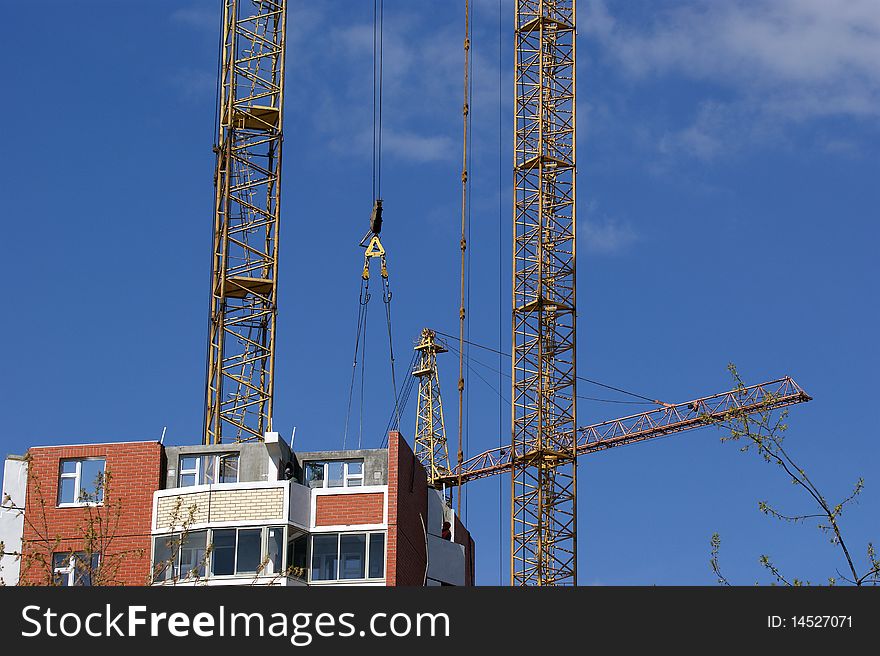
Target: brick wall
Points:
(124, 539)
(407, 509)
(349, 509)
(220, 506)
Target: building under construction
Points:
(241, 506)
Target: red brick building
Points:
(234, 514)
(87, 513)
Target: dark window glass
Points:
(164, 560)
(84, 568)
(228, 469)
(223, 554)
(324, 548)
(352, 552)
(315, 474)
(377, 555)
(249, 550)
(192, 554)
(296, 555)
(75, 569)
(60, 561)
(68, 466)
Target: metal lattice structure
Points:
(244, 281)
(430, 441)
(660, 422)
(543, 498)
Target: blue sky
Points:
(728, 162)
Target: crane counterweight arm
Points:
(671, 418)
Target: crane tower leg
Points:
(244, 266)
(543, 495)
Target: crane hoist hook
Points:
(372, 243)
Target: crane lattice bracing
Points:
(430, 441)
(543, 498)
(661, 422)
(241, 340)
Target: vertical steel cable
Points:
(463, 242)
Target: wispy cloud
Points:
(604, 235)
(769, 63)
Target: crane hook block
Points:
(375, 248)
(376, 217)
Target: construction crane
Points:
(660, 422)
(247, 202)
(544, 363)
(545, 439)
(431, 448)
(668, 419)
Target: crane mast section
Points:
(543, 495)
(668, 420)
(244, 267)
(431, 447)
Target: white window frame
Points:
(264, 551)
(197, 471)
(346, 476)
(69, 570)
(337, 579)
(209, 562)
(76, 476)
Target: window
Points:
(274, 550)
(335, 473)
(238, 551)
(203, 469)
(74, 568)
(297, 555)
(347, 556)
(81, 482)
(377, 555)
(179, 556)
(243, 551)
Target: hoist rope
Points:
(386, 297)
(463, 242)
(363, 298)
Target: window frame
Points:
(76, 476)
(200, 470)
(177, 547)
(339, 535)
(175, 567)
(347, 476)
(70, 570)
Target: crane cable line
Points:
(586, 380)
(471, 358)
(372, 244)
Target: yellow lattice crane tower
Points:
(247, 182)
(430, 440)
(544, 371)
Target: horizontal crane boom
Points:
(666, 420)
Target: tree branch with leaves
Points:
(764, 432)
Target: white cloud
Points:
(804, 58)
(606, 236)
(774, 63)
